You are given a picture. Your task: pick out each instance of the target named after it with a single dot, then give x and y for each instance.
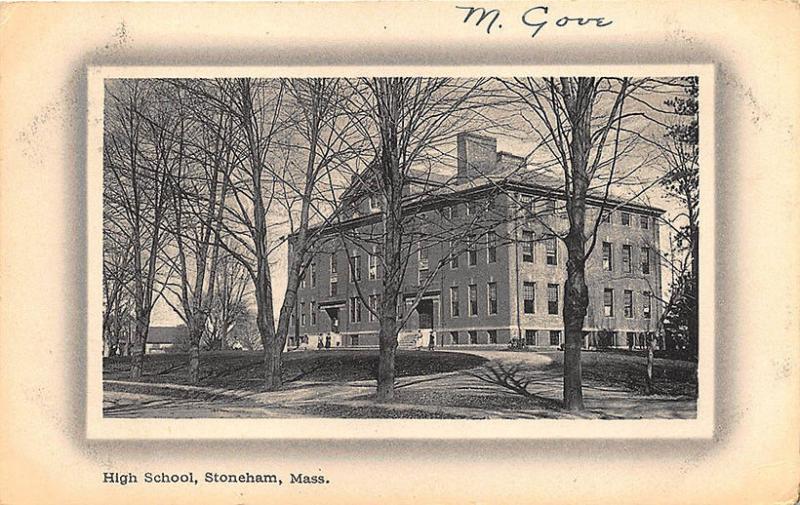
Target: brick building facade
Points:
(485, 266)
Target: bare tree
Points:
(575, 119)
(117, 274)
(405, 121)
(138, 159)
(287, 135)
(198, 189)
(229, 300)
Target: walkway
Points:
(511, 385)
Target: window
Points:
(422, 256)
(526, 205)
(644, 221)
(605, 217)
(472, 253)
(627, 303)
(423, 265)
(626, 219)
(372, 266)
(626, 259)
(355, 268)
(608, 302)
(453, 255)
(608, 257)
(491, 247)
(334, 264)
(454, 305)
(529, 297)
(645, 260)
(555, 337)
(491, 336)
(454, 337)
(530, 337)
(473, 337)
(471, 207)
(334, 287)
(531, 206)
(353, 339)
(552, 298)
(373, 304)
(527, 246)
(646, 304)
(313, 275)
(313, 311)
(491, 297)
(446, 213)
(303, 281)
(374, 202)
(549, 206)
(355, 309)
(552, 251)
(302, 313)
(473, 300)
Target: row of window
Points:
(529, 298)
(472, 300)
(528, 256)
(632, 339)
(471, 208)
(530, 337)
(472, 337)
(491, 337)
(528, 303)
(627, 219)
(536, 206)
(627, 258)
(628, 303)
(528, 249)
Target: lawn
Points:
(242, 370)
(626, 369)
(338, 383)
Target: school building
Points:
(484, 264)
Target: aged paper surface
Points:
(49, 452)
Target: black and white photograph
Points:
(399, 252)
(522, 247)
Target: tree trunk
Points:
(391, 179)
(194, 361)
(137, 354)
(578, 99)
(139, 344)
(272, 354)
(576, 299)
(651, 346)
(387, 339)
(272, 368)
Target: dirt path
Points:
(510, 385)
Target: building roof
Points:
(428, 187)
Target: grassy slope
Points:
(624, 369)
(236, 369)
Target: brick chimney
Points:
(509, 163)
(477, 155)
